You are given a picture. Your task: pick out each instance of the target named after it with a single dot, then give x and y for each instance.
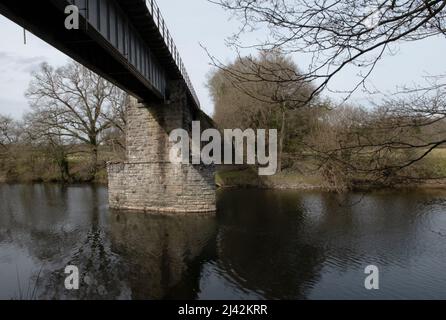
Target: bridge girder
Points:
(119, 40)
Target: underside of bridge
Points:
(127, 43)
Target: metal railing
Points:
(160, 23)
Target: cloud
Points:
(15, 62)
(15, 71)
(13, 107)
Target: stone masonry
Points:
(148, 181)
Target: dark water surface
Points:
(261, 244)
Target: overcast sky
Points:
(193, 22)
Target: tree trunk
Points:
(64, 170)
(94, 162)
(281, 141)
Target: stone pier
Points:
(147, 180)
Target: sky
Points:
(193, 24)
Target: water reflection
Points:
(158, 249)
(120, 255)
(264, 246)
(316, 245)
(261, 244)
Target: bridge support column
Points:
(148, 180)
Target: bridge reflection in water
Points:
(157, 250)
(120, 255)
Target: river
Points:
(261, 244)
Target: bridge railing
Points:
(168, 40)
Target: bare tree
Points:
(115, 135)
(391, 143)
(72, 102)
(50, 142)
(10, 135)
(8, 131)
(334, 34)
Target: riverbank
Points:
(303, 177)
(249, 178)
(303, 174)
(294, 180)
(52, 176)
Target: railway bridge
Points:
(128, 43)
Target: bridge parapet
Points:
(170, 44)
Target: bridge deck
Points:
(125, 41)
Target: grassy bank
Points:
(302, 175)
(248, 178)
(430, 172)
(34, 166)
(78, 175)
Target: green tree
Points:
(279, 103)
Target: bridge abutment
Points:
(147, 180)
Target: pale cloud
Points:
(13, 107)
(10, 61)
(17, 62)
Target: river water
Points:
(260, 245)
